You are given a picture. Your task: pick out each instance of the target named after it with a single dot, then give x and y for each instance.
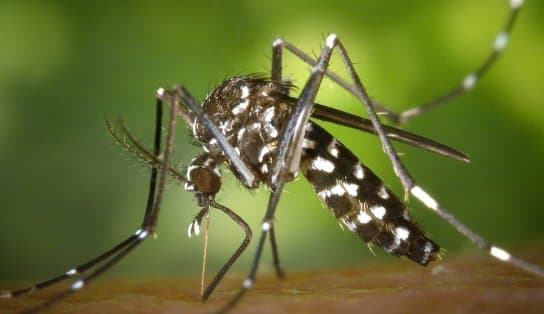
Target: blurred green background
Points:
(68, 192)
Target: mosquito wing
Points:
(329, 114)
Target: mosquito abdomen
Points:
(358, 198)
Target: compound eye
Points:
(205, 180)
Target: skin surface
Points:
(469, 284)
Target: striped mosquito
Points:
(264, 136)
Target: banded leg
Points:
(276, 75)
(410, 186)
(114, 255)
(464, 85)
(287, 157)
(72, 272)
(138, 238)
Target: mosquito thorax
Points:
(250, 111)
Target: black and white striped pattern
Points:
(359, 199)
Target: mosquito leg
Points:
(79, 284)
(232, 215)
(287, 157)
(277, 63)
(152, 217)
(72, 272)
(279, 271)
(280, 43)
(409, 184)
(290, 146)
(464, 86)
(156, 150)
(400, 170)
(152, 208)
(493, 250)
(471, 79)
(265, 228)
(111, 256)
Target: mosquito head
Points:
(204, 178)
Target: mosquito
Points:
(264, 136)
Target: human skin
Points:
(467, 284)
